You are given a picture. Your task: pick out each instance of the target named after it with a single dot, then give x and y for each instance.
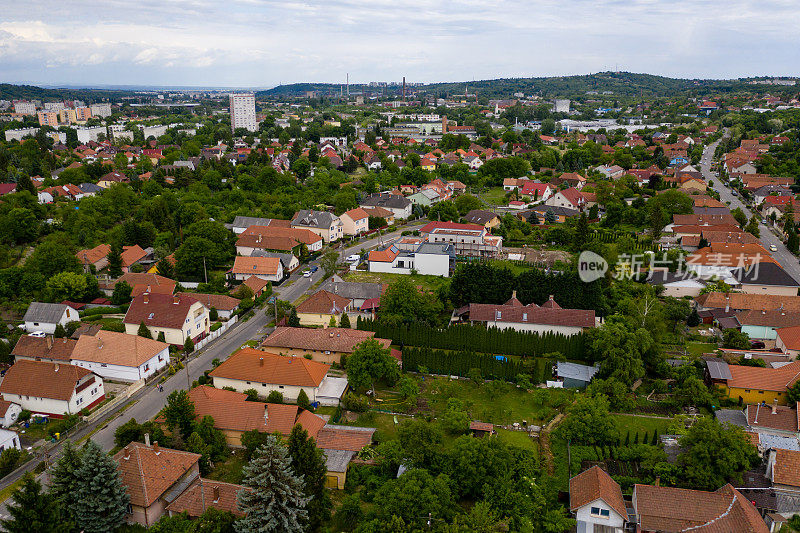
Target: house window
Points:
(248, 383)
(280, 386)
(596, 511)
(747, 391)
(761, 392)
(147, 367)
(103, 365)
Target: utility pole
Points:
(205, 274)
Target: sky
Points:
(263, 43)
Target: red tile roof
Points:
(42, 380)
(771, 379)
(787, 468)
(669, 509)
(196, 499)
(220, 302)
(532, 315)
(45, 347)
(333, 339)
(324, 302)
(790, 337)
(149, 471)
(783, 418)
(159, 310)
(594, 484)
(249, 364)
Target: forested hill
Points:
(618, 83)
(32, 92)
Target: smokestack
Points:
(126, 453)
(147, 439)
(404, 88)
(155, 448)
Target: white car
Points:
(38, 334)
(355, 258)
(773, 248)
(306, 273)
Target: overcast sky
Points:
(261, 43)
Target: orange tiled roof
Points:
(249, 364)
(771, 379)
(149, 471)
(593, 484)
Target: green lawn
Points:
(426, 282)
(640, 425)
(383, 422)
(699, 348)
(230, 470)
(494, 196)
(519, 439)
(496, 402)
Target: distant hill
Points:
(31, 92)
(617, 83)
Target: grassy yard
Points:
(496, 402)
(426, 282)
(494, 196)
(383, 422)
(519, 439)
(230, 470)
(699, 348)
(640, 425)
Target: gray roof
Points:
(439, 248)
(45, 313)
(351, 289)
(717, 368)
(576, 371)
(765, 274)
(314, 219)
(286, 259)
(777, 442)
(732, 416)
(337, 460)
(479, 216)
(89, 187)
(246, 222)
(395, 201)
(663, 277)
(556, 210)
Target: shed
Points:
(574, 375)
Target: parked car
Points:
(773, 248)
(757, 344)
(355, 258)
(38, 334)
(314, 269)
(306, 273)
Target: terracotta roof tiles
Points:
(249, 364)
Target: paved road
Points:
(297, 285)
(767, 236)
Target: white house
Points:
(547, 318)
(9, 439)
(266, 268)
(432, 259)
(52, 389)
(179, 317)
(596, 502)
(266, 372)
(45, 317)
(9, 413)
(120, 356)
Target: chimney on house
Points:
(126, 453)
(148, 288)
(155, 448)
(216, 493)
(176, 299)
(56, 368)
(260, 361)
(147, 439)
(513, 294)
(551, 297)
(49, 342)
(775, 407)
(146, 298)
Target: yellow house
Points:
(750, 384)
(318, 309)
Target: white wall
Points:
(12, 414)
(52, 406)
(70, 315)
(538, 328)
(9, 439)
(290, 392)
(126, 373)
(586, 521)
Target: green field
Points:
(699, 348)
(497, 402)
(518, 438)
(426, 282)
(494, 196)
(640, 425)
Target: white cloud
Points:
(264, 42)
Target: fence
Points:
(214, 334)
(120, 398)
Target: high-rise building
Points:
(83, 113)
(100, 110)
(243, 111)
(48, 118)
(25, 108)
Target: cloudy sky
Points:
(261, 43)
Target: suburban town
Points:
(545, 305)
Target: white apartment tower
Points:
(243, 111)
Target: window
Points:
(248, 383)
(103, 365)
(747, 391)
(597, 511)
(761, 392)
(147, 367)
(280, 386)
